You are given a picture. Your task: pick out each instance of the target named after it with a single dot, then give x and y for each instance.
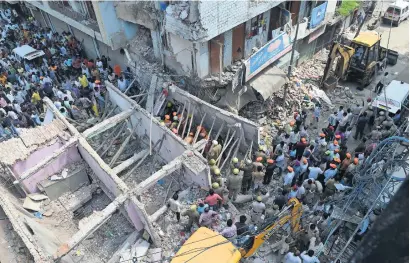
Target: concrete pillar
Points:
(94, 221)
(155, 35)
(107, 124)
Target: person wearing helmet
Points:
(193, 216)
(331, 172)
(212, 165)
(258, 177)
(234, 184)
(235, 163)
(258, 209)
(300, 148)
(167, 120)
(221, 191)
(269, 171)
(215, 151)
(345, 164)
(288, 178)
(247, 176)
(216, 174)
(261, 153)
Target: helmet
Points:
(348, 155)
(215, 185)
(235, 171)
(270, 161)
(169, 104)
(322, 135)
(214, 142)
(97, 81)
(260, 147)
(259, 198)
(235, 160)
(162, 123)
(212, 162)
(290, 169)
(332, 165)
(193, 207)
(356, 160)
(217, 171)
(175, 118)
(335, 142)
(259, 159)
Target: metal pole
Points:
(387, 52)
(291, 59)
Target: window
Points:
(396, 11)
(258, 25)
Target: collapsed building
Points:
(89, 196)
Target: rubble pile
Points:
(312, 68)
(178, 9)
(226, 76)
(12, 243)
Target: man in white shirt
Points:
(292, 257)
(308, 257)
(314, 172)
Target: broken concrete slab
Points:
(140, 248)
(32, 205)
(37, 197)
(126, 245)
(127, 163)
(73, 181)
(154, 255)
(73, 201)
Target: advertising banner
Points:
(266, 55)
(318, 15)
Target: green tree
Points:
(347, 7)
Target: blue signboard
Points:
(318, 15)
(269, 53)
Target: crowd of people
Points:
(313, 168)
(62, 73)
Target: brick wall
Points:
(218, 17)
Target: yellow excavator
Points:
(358, 61)
(207, 246)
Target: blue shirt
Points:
(280, 161)
(329, 173)
(364, 226)
(316, 113)
(68, 62)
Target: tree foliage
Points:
(347, 7)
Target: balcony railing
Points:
(77, 16)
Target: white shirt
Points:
(339, 115)
(314, 172)
(300, 192)
(60, 94)
(12, 114)
(307, 259)
(291, 258)
(57, 104)
(287, 180)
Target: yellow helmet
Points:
(260, 147)
(217, 171)
(235, 160)
(212, 162)
(215, 185)
(235, 171)
(169, 104)
(193, 207)
(259, 198)
(162, 123)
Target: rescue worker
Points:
(322, 138)
(261, 153)
(212, 165)
(353, 165)
(234, 184)
(380, 119)
(220, 191)
(216, 175)
(376, 134)
(235, 163)
(331, 172)
(167, 121)
(258, 209)
(345, 164)
(287, 179)
(215, 150)
(207, 217)
(193, 216)
(258, 177)
(247, 176)
(269, 171)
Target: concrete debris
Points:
(226, 76)
(37, 197)
(14, 149)
(73, 201)
(312, 69)
(32, 205)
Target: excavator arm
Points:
(345, 53)
(293, 218)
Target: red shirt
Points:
(212, 199)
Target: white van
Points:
(396, 12)
(397, 95)
(27, 52)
